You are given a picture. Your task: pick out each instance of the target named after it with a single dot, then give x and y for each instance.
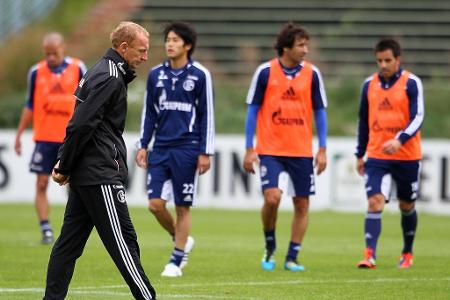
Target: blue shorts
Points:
(380, 173)
(172, 175)
(44, 157)
(299, 169)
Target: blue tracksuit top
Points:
(179, 108)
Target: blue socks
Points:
(409, 225)
(271, 243)
(45, 226)
(177, 256)
(293, 250)
(372, 230)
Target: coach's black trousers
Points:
(104, 207)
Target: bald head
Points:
(53, 47)
(53, 38)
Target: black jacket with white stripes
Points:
(94, 151)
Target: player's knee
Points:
(155, 207)
(272, 200)
(182, 211)
(406, 206)
(376, 203)
(42, 184)
(301, 205)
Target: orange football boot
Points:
(369, 261)
(406, 261)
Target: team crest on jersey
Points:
(188, 85)
(121, 196)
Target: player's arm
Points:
(254, 101)
(25, 119)
(27, 112)
(363, 129)
(320, 161)
(87, 116)
(148, 121)
(250, 128)
(414, 90)
(319, 99)
(205, 111)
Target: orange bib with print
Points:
(388, 115)
(284, 124)
(54, 101)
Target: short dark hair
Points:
(389, 44)
(287, 36)
(185, 31)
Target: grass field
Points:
(225, 261)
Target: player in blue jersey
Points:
(178, 114)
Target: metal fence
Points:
(15, 14)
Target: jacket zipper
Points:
(115, 156)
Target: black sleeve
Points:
(363, 123)
(88, 114)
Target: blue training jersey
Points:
(179, 108)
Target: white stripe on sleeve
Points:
(418, 119)
(323, 94)
(252, 89)
(210, 131)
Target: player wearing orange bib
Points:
(284, 95)
(390, 116)
(50, 104)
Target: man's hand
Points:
(320, 162)
(360, 166)
(250, 159)
(59, 178)
(141, 158)
(203, 163)
(18, 146)
(391, 146)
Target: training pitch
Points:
(225, 263)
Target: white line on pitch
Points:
(312, 281)
(88, 289)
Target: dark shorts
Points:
(172, 175)
(380, 173)
(44, 157)
(300, 173)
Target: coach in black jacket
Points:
(93, 160)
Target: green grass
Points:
(225, 261)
